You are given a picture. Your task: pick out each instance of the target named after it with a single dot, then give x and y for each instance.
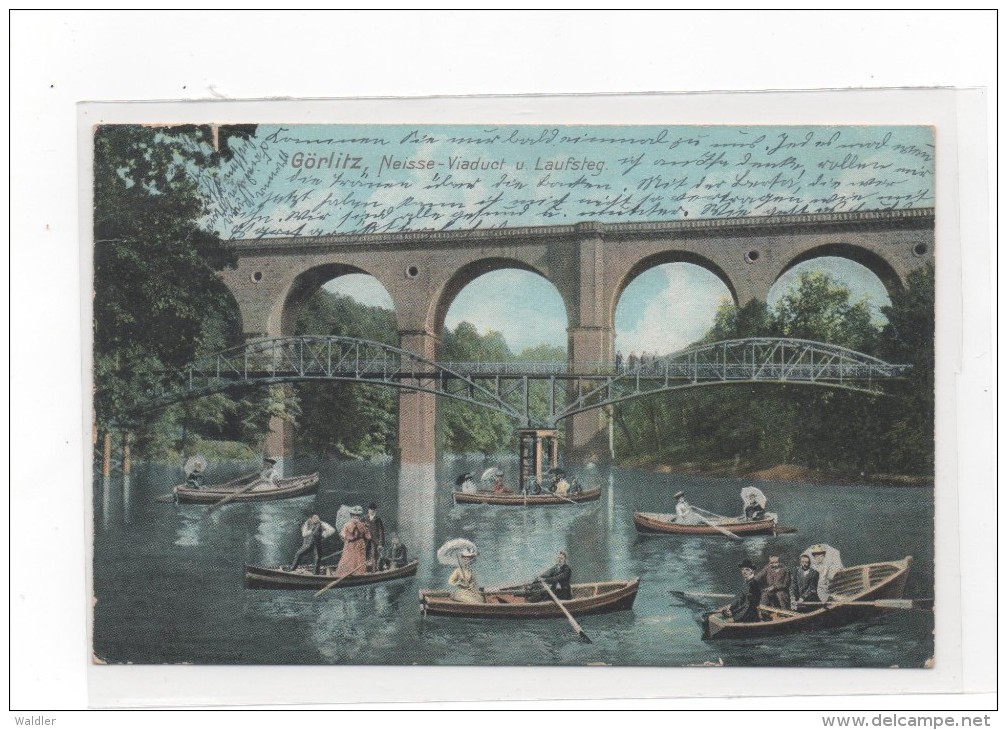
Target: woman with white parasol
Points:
(194, 468)
(754, 503)
(495, 475)
(460, 554)
(826, 561)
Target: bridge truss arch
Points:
(505, 387)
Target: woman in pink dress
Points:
(355, 536)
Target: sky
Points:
(664, 309)
(324, 180)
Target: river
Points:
(169, 589)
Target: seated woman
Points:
(562, 486)
(465, 581)
(468, 485)
(683, 511)
(498, 484)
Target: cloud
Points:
(522, 306)
(671, 316)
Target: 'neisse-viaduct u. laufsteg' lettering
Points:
(590, 265)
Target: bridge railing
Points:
(500, 384)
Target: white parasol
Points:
(750, 491)
(450, 552)
(492, 473)
(831, 563)
(194, 465)
(342, 517)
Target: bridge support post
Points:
(587, 433)
(418, 411)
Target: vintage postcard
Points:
(509, 395)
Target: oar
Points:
(332, 555)
(784, 530)
(920, 604)
(334, 583)
(237, 480)
(682, 594)
(229, 497)
(170, 497)
(718, 528)
(573, 622)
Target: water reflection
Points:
(127, 500)
(190, 525)
(417, 514)
(275, 526)
(106, 503)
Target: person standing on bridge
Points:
(632, 361)
(618, 362)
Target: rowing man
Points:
(745, 608)
(557, 578)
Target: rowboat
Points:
(587, 598)
(651, 522)
(859, 583)
(522, 500)
(261, 576)
(261, 492)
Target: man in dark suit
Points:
(804, 586)
(377, 542)
(776, 582)
(745, 608)
(394, 556)
(557, 578)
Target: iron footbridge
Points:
(533, 393)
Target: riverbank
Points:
(778, 473)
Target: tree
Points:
(155, 286)
(819, 308)
(909, 338)
(469, 428)
(346, 419)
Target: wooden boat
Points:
(651, 522)
(523, 500)
(588, 598)
(262, 492)
(860, 583)
(260, 576)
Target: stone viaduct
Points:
(590, 265)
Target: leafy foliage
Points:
(825, 429)
(158, 303)
(346, 420)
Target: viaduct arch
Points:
(588, 263)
